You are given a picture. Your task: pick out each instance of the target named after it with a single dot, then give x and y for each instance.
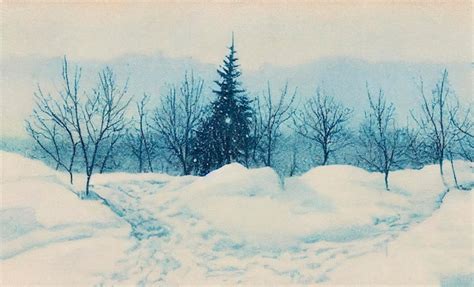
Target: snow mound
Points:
(336, 173)
(15, 166)
(235, 179)
(330, 203)
(119, 177)
(236, 226)
(438, 250)
(45, 224)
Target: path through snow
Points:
(176, 244)
(233, 226)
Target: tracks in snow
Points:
(174, 245)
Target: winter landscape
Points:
(258, 157)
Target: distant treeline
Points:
(105, 129)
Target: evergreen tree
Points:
(224, 137)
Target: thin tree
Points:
(465, 136)
(463, 143)
(271, 115)
(110, 152)
(46, 135)
(51, 124)
(434, 119)
(416, 147)
(135, 143)
(177, 119)
(324, 121)
(98, 119)
(140, 137)
(292, 148)
(382, 142)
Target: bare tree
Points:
(270, 116)
(434, 119)
(463, 142)
(416, 147)
(140, 138)
(177, 119)
(70, 121)
(135, 143)
(324, 121)
(465, 136)
(383, 144)
(109, 152)
(46, 135)
(51, 124)
(99, 118)
(293, 163)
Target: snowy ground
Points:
(332, 225)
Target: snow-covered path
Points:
(174, 243)
(195, 247)
(334, 224)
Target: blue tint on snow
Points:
(16, 222)
(227, 244)
(343, 234)
(460, 280)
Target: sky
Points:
(272, 32)
(266, 33)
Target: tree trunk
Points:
(453, 169)
(150, 166)
(88, 182)
(386, 180)
(269, 158)
(185, 170)
(140, 164)
(441, 171)
(269, 153)
(325, 157)
(293, 165)
(71, 162)
(441, 166)
(184, 165)
(104, 163)
(70, 177)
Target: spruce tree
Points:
(225, 135)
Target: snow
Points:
(334, 224)
(437, 250)
(47, 232)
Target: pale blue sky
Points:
(277, 33)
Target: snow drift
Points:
(48, 235)
(439, 250)
(234, 226)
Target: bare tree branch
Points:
(324, 121)
(383, 144)
(51, 124)
(270, 116)
(177, 119)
